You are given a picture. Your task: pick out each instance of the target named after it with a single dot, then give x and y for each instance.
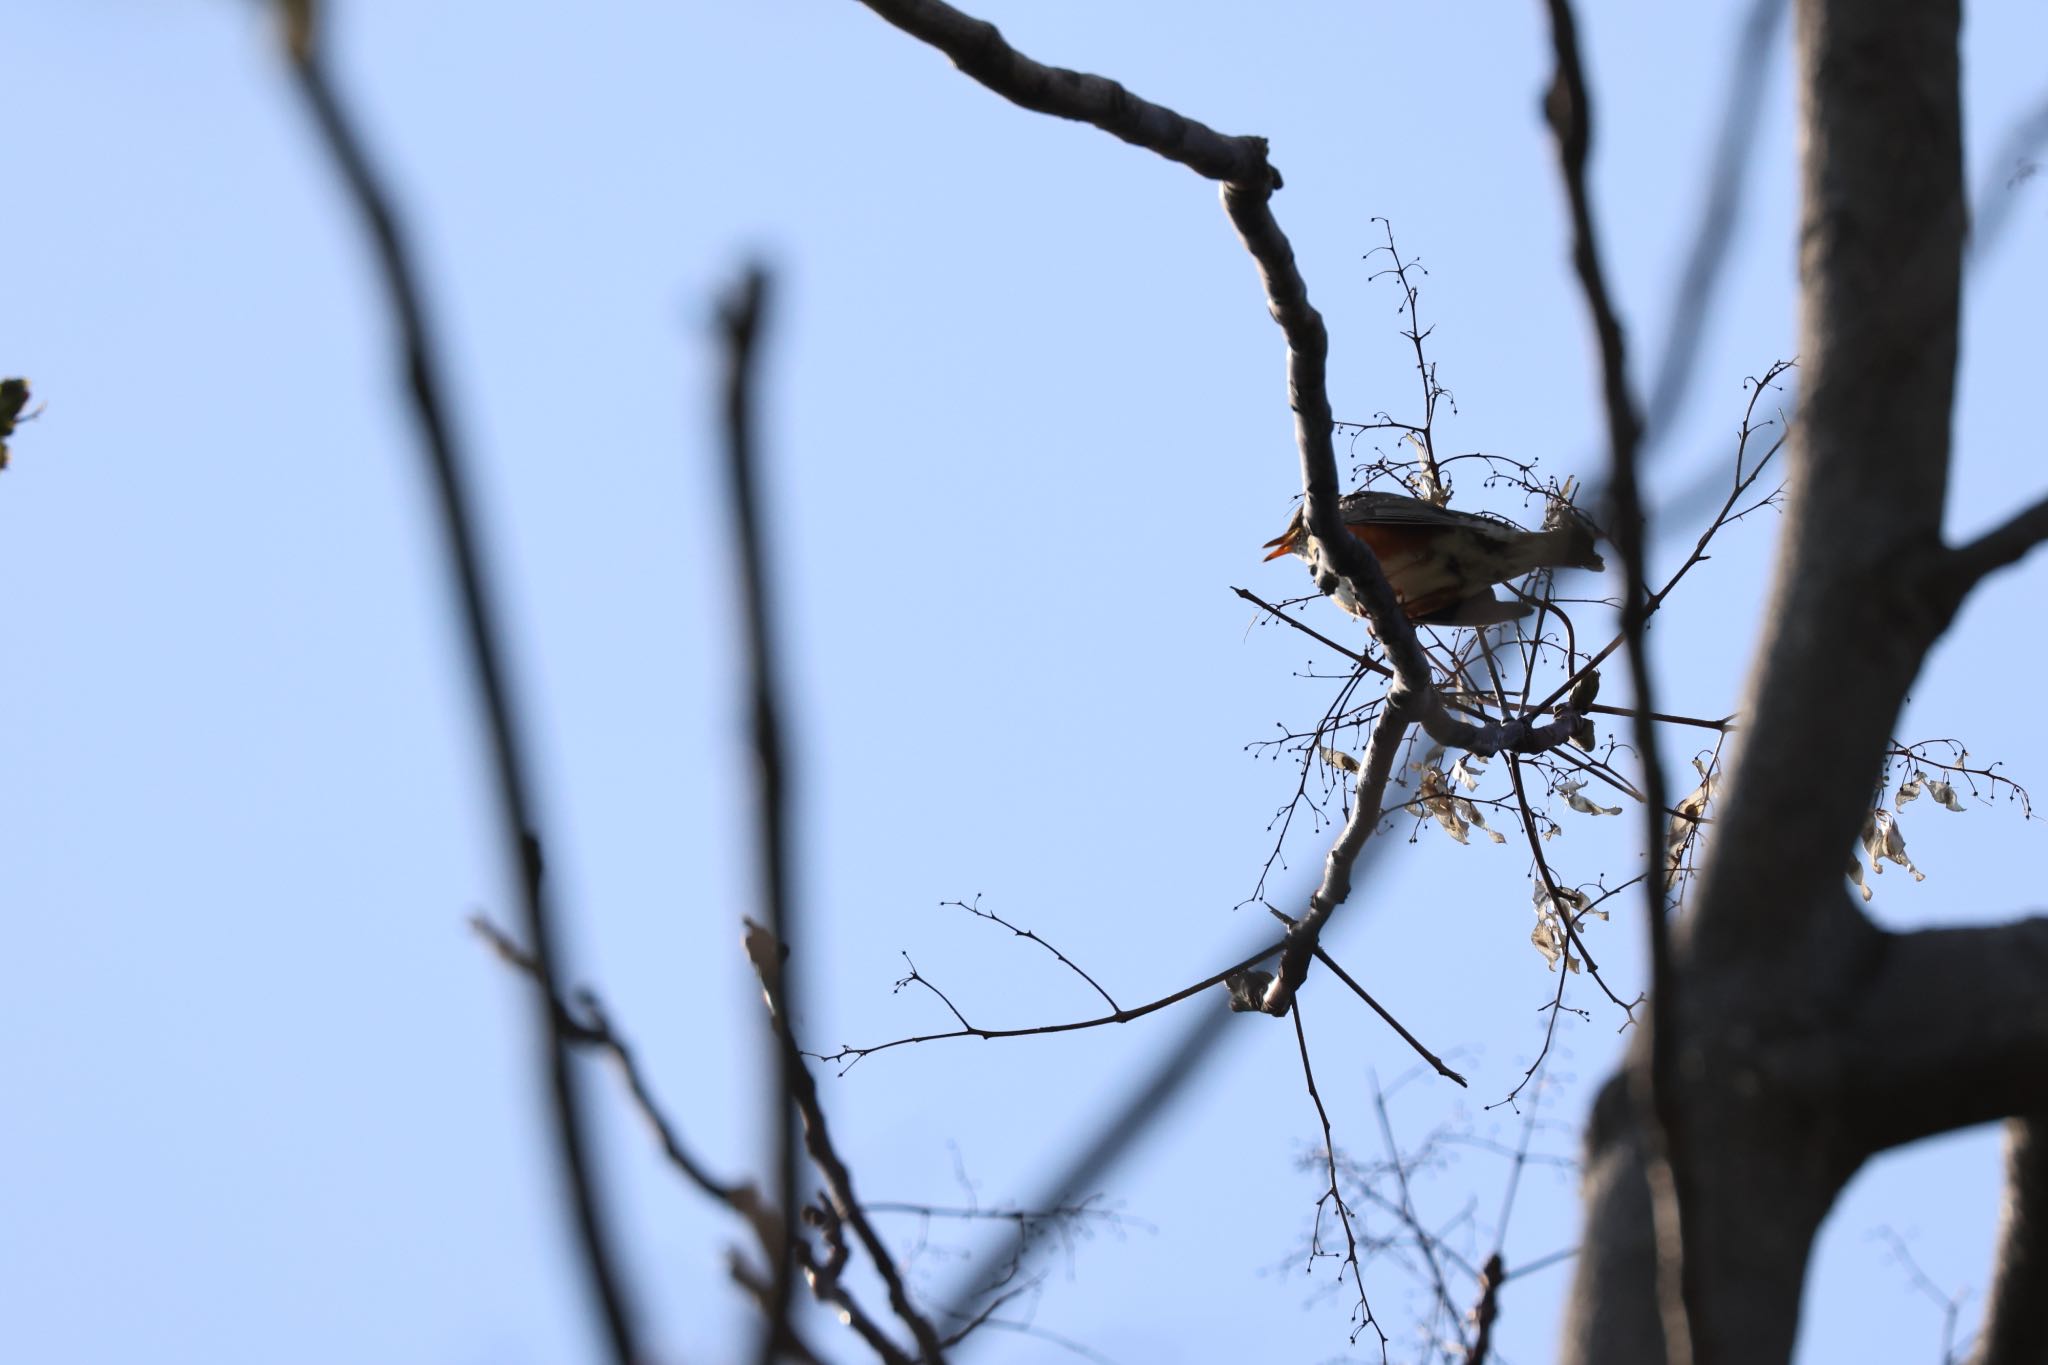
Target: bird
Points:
(1443, 564)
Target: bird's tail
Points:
(1567, 546)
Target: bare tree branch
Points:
(1144, 1104)
(588, 1025)
(1772, 945)
(1373, 770)
(739, 325)
(1950, 1030)
(519, 828)
(766, 953)
(1998, 548)
(2015, 1328)
(1405, 1206)
(1436, 1063)
(1491, 1277)
(1334, 1195)
(1249, 181)
(1658, 1082)
(849, 1054)
(977, 48)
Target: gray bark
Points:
(1807, 1038)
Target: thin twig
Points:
(1143, 1104)
(1951, 1305)
(1369, 664)
(1334, 1194)
(519, 827)
(590, 1026)
(849, 1054)
(1424, 1241)
(1065, 961)
(1436, 1063)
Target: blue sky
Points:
(268, 1098)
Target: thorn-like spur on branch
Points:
(978, 49)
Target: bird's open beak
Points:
(1286, 544)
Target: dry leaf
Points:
(1570, 790)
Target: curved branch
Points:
(1950, 1030)
(1249, 180)
(977, 48)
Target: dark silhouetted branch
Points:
(849, 1054)
(1949, 1032)
(740, 317)
(1435, 1062)
(1491, 1276)
(1249, 181)
(519, 829)
(585, 1023)
(1570, 112)
(977, 48)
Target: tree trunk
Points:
(1780, 1099)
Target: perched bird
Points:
(1443, 564)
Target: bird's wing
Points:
(1395, 510)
